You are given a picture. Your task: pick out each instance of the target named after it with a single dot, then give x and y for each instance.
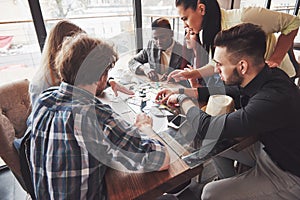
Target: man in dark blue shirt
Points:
(74, 136)
(269, 106)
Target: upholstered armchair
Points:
(14, 110)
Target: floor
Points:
(11, 190)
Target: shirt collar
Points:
(75, 91)
(255, 84)
(169, 49)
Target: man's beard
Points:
(234, 79)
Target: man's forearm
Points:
(185, 103)
(283, 45)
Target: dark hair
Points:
(211, 24)
(161, 23)
(243, 40)
(83, 59)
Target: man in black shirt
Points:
(269, 107)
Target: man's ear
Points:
(201, 8)
(244, 66)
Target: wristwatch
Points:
(181, 90)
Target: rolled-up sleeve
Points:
(115, 143)
(270, 21)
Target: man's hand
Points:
(152, 75)
(163, 95)
(143, 120)
(173, 100)
(117, 87)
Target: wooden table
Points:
(122, 185)
(125, 185)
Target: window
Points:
(154, 9)
(19, 48)
(108, 19)
(287, 6)
(245, 3)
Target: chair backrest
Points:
(15, 106)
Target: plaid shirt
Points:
(74, 136)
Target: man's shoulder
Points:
(277, 82)
(46, 94)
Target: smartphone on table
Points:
(177, 121)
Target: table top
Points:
(125, 185)
(150, 185)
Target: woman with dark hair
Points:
(198, 56)
(206, 17)
(209, 27)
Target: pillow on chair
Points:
(15, 105)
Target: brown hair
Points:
(53, 43)
(83, 59)
(243, 40)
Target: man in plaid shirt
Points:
(74, 136)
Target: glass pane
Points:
(154, 9)
(226, 4)
(108, 19)
(19, 48)
(286, 6)
(246, 3)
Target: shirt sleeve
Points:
(255, 118)
(270, 21)
(116, 143)
(205, 92)
(138, 148)
(138, 60)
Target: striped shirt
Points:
(74, 136)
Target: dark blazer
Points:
(151, 55)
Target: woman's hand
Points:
(187, 73)
(116, 87)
